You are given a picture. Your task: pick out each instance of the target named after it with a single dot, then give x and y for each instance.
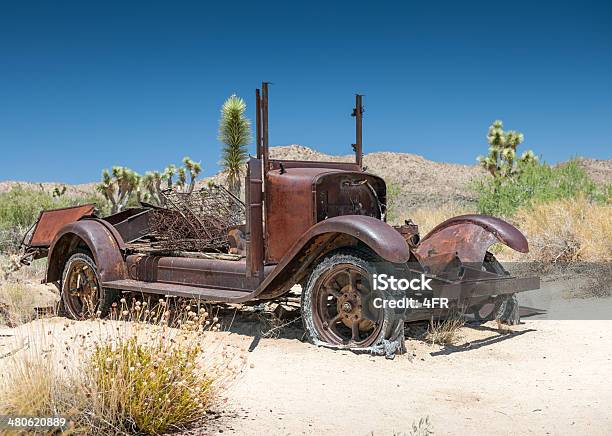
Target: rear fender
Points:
(470, 236)
(99, 237)
(329, 235)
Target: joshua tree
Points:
(58, 192)
(117, 186)
(153, 180)
(501, 160)
(235, 133)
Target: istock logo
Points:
(384, 282)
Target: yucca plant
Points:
(153, 180)
(117, 186)
(235, 133)
(501, 161)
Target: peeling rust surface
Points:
(502, 230)
(469, 241)
(51, 221)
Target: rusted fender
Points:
(383, 239)
(327, 235)
(99, 237)
(470, 236)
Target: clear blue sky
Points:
(88, 85)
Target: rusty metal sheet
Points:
(298, 198)
(51, 221)
(289, 208)
(502, 230)
(469, 241)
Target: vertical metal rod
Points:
(258, 122)
(264, 122)
(358, 113)
(255, 242)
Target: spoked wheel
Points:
(82, 296)
(337, 303)
(505, 308)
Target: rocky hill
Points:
(421, 182)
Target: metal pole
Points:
(258, 122)
(358, 130)
(264, 122)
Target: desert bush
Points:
(422, 427)
(569, 229)
(19, 209)
(536, 183)
(394, 193)
(133, 374)
(17, 305)
(150, 387)
(445, 331)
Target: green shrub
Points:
(394, 193)
(155, 387)
(536, 183)
(19, 209)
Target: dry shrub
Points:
(428, 218)
(422, 428)
(17, 305)
(28, 388)
(20, 294)
(446, 331)
(568, 230)
(135, 374)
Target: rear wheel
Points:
(338, 304)
(82, 296)
(505, 308)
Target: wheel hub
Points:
(341, 306)
(349, 304)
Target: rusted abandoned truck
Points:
(318, 224)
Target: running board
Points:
(184, 291)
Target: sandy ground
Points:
(548, 377)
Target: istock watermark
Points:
(385, 282)
(410, 303)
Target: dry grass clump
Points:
(446, 331)
(568, 230)
(17, 305)
(149, 388)
(148, 371)
(20, 295)
(428, 218)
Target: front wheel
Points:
(338, 304)
(82, 296)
